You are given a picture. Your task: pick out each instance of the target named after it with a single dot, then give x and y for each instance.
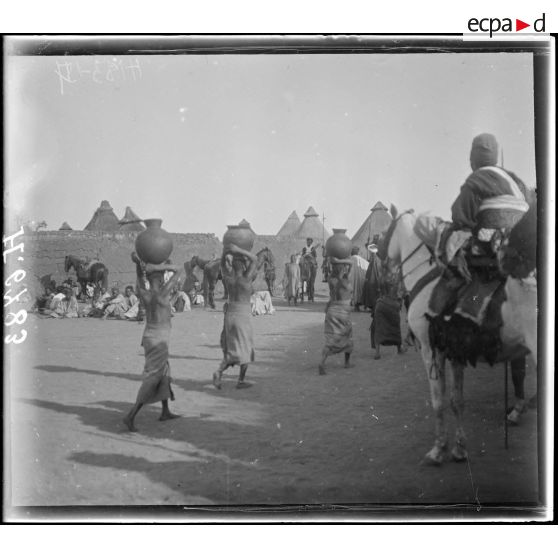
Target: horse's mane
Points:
(384, 238)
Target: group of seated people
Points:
(61, 301)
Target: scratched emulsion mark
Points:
(98, 70)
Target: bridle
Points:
(385, 249)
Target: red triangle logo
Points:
(519, 25)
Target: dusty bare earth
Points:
(352, 436)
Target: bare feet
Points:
(377, 356)
(349, 365)
(130, 424)
(321, 369)
(169, 416)
(216, 380)
(243, 385)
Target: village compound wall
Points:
(45, 252)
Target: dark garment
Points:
(484, 183)
(520, 254)
(371, 289)
(386, 325)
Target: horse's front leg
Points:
(211, 293)
(435, 368)
(459, 451)
(205, 290)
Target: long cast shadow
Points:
(189, 357)
(212, 476)
(187, 385)
(206, 431)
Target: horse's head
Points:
(265, 257)
(393, 243)
(193, 262)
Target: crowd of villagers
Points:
(69, 300)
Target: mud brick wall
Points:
(45, 252)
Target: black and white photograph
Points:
(278, 276)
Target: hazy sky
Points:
(205, 141)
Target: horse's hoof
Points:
(434, 457)
(433, 461)
(514, 414)
(459, 455)
(513, 419)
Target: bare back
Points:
(157, 309)
(340, 288)
(239, 286)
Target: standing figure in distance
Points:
(239, 269)
(386, 321)
(292, 280)
(155, 341)
(338, 328)
(371, 290)
(358, 275)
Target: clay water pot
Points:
(241, 235)
(338, 245)
(154, 244)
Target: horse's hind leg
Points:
(459, 451)
(211, 294)
(205, 289)
(435, 368)
(518, 366)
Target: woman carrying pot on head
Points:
(239, 269)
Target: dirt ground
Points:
(354, 436)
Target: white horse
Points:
(404, 251)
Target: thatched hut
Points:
(375, 224)
(291, 225)
(131, 222)
(103, 219)
(312, 227)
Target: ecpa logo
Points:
(493, 25)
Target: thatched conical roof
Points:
(376, 223)
(290, 226)
(312, 227)
(103, 219)
(130, 221)
(65, 227)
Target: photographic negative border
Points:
(269, 45)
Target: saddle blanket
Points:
(470, 300)
(475, 298)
